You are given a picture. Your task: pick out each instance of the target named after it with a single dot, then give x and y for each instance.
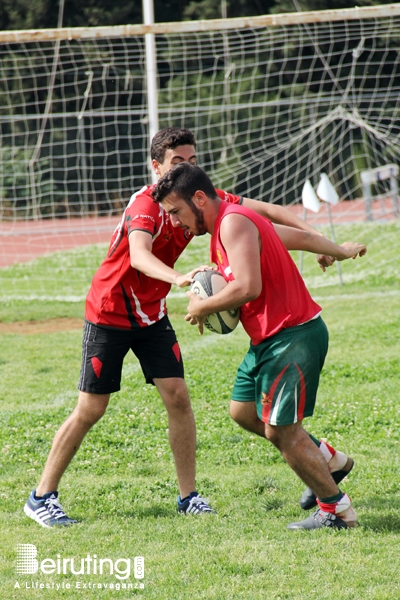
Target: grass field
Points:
(122, 485)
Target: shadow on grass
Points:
(383, 514)
(155, 511)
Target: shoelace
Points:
(197, 503)
(54, 507)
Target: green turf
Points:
(122, 484)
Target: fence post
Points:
(151, 72)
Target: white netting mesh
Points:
(84, 156)
(271, 107)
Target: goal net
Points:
(273, 101)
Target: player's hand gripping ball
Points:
(206, 284)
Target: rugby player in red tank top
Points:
(279, 376)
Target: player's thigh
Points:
(244, 387)
(289, 366)
(159, 353)
(243, 411)
(103, 353)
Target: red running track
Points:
(22, 241)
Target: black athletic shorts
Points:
(104, 350)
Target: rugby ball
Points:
(206, 284)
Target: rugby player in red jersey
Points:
(277, 382)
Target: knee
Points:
(236, 415)
(244, 414)
(89, 417)
(177, 400)
(90, 408)
(273, 435)
(284, 437)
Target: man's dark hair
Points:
(171, 137)
(184, 179)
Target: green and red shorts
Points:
(281, 375)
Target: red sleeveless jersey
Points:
(284, 300)
(122, 297)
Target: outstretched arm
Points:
(282, 216)
(278, 214)
(295, 239)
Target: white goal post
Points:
(375, 176)
(274, 101)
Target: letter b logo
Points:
(26, 559)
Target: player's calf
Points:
(339, 465)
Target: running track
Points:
(22, 241)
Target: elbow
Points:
(307, 241)
(138, 266)
(252, 292)
(306, 238)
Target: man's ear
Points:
(156, 166)
(199, 198)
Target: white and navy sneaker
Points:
(194, 505)
(47, 511)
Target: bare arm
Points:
(240, 238)
(282, 216)
(295, 239)
(143, 259)
(278, 214)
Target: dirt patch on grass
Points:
(45, 326)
